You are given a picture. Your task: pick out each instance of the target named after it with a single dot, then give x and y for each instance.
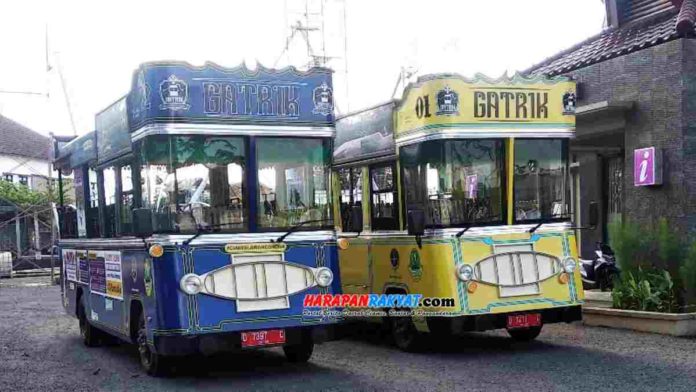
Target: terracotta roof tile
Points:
(686, 18)
(16, 139)
(620, 41)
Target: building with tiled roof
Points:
(24, 154)
(636, 89)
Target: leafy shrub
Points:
(632, 245)
(648, 256)
(687, 273)
(645, 290)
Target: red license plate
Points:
(524, 320)
(263, 338)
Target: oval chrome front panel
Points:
(516, 268)
(258, 280)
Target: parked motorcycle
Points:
(601, 271)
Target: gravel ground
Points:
(40, 350)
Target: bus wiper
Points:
(469, 224)
(203, 229)
(464, 230)
(200, 229)
(543, 218)
(297, 226)
(533, 229)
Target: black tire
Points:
(524, 334)
(300, 352)
(404, 332)
(91, 336)
(606, 281)
(154, 364)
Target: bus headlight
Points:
(191, 284)
(569, 265)
(343, 243)
(323, 276)
(156, 250)
(465, 272)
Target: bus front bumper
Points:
(489, 321)
(212, 343)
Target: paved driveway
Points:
(40, 350)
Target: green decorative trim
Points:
(461, 290)
(522, 302)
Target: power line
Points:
(20, 92)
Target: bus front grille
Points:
(259, 282)
(517, 270)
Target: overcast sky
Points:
(98, 44)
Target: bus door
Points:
(384, 221)
(354, 262)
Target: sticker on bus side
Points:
(70, 263)
(105, 273)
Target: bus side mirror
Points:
(594, 214)
(416, 222)
(142, 222)
(355, 222)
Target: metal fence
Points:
(27, 236)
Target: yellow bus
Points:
(460, 190)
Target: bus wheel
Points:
(90, 335)
(525, 334)
(299, 353)
(405, 334)
(153, 363)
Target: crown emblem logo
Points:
(174, 94)
(569, 103)
(447, 102)
(323, 100)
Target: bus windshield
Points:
(199, 180)
(293, 182)
(194, 180)
(541, 179)
(456, 182)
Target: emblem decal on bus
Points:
(414, 265)
(174, 94)
(323, 100)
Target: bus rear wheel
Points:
(89, 334)
(153, 363)
(524, 334)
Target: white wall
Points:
(23, 166)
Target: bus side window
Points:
(127, 200)
(385, 209)
(92, 205)
(67, 212)
(351, 192)
(109, 208)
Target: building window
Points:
(385, 207)
(24, 180)
(7, 177)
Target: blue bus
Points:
(202, 213)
